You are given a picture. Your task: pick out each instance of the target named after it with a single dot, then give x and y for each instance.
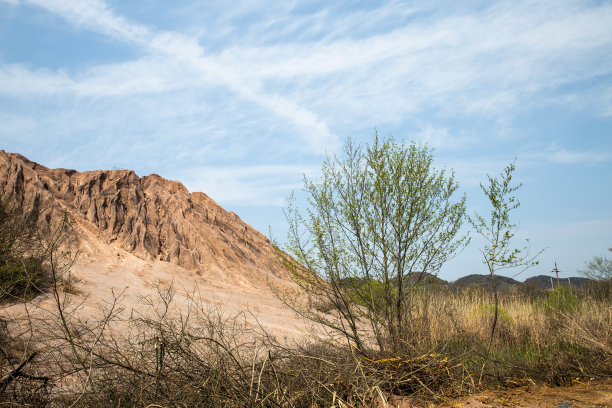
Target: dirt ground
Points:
(591, 394)
(581, 394)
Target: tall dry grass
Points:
(202, 358)
(556, 337)
(447, 314)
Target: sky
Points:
(241, 99)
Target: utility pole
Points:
(556, 271)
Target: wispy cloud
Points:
(158, 73)
(248, 185)
(566, 156)
(443, 138)
(466, 63)
(95, 15)
(553, 153)
(314, 74)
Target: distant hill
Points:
(507, 285)
(424, 279)
(503, 283)
(547, 282)
(413, 279)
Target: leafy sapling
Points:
(498, 231)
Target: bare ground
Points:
(591, 394)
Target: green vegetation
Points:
(21, 265)
(561, 300)
(489, 310)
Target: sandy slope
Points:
(103, 272)
(137, 234)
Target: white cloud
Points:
(179, 49)
(442, 138)
(96, 15)
(562, 155)
(259, 185)
(465, 64)
(18, 80)
(565, 156)
(178, 45)
(486, 64)
(312, 74)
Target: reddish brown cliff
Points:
(150, 217)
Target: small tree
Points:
(379, 218)
(498, 231)
(599, 268)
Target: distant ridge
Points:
(547, 282)
(505, 284)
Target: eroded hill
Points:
(149, 217)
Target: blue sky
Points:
(239, 99)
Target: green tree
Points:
(498, 253)
(599, 268)
(378, 219)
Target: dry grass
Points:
(451, 314)
(555, 337)
(202, 358)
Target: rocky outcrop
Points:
(150, 217)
